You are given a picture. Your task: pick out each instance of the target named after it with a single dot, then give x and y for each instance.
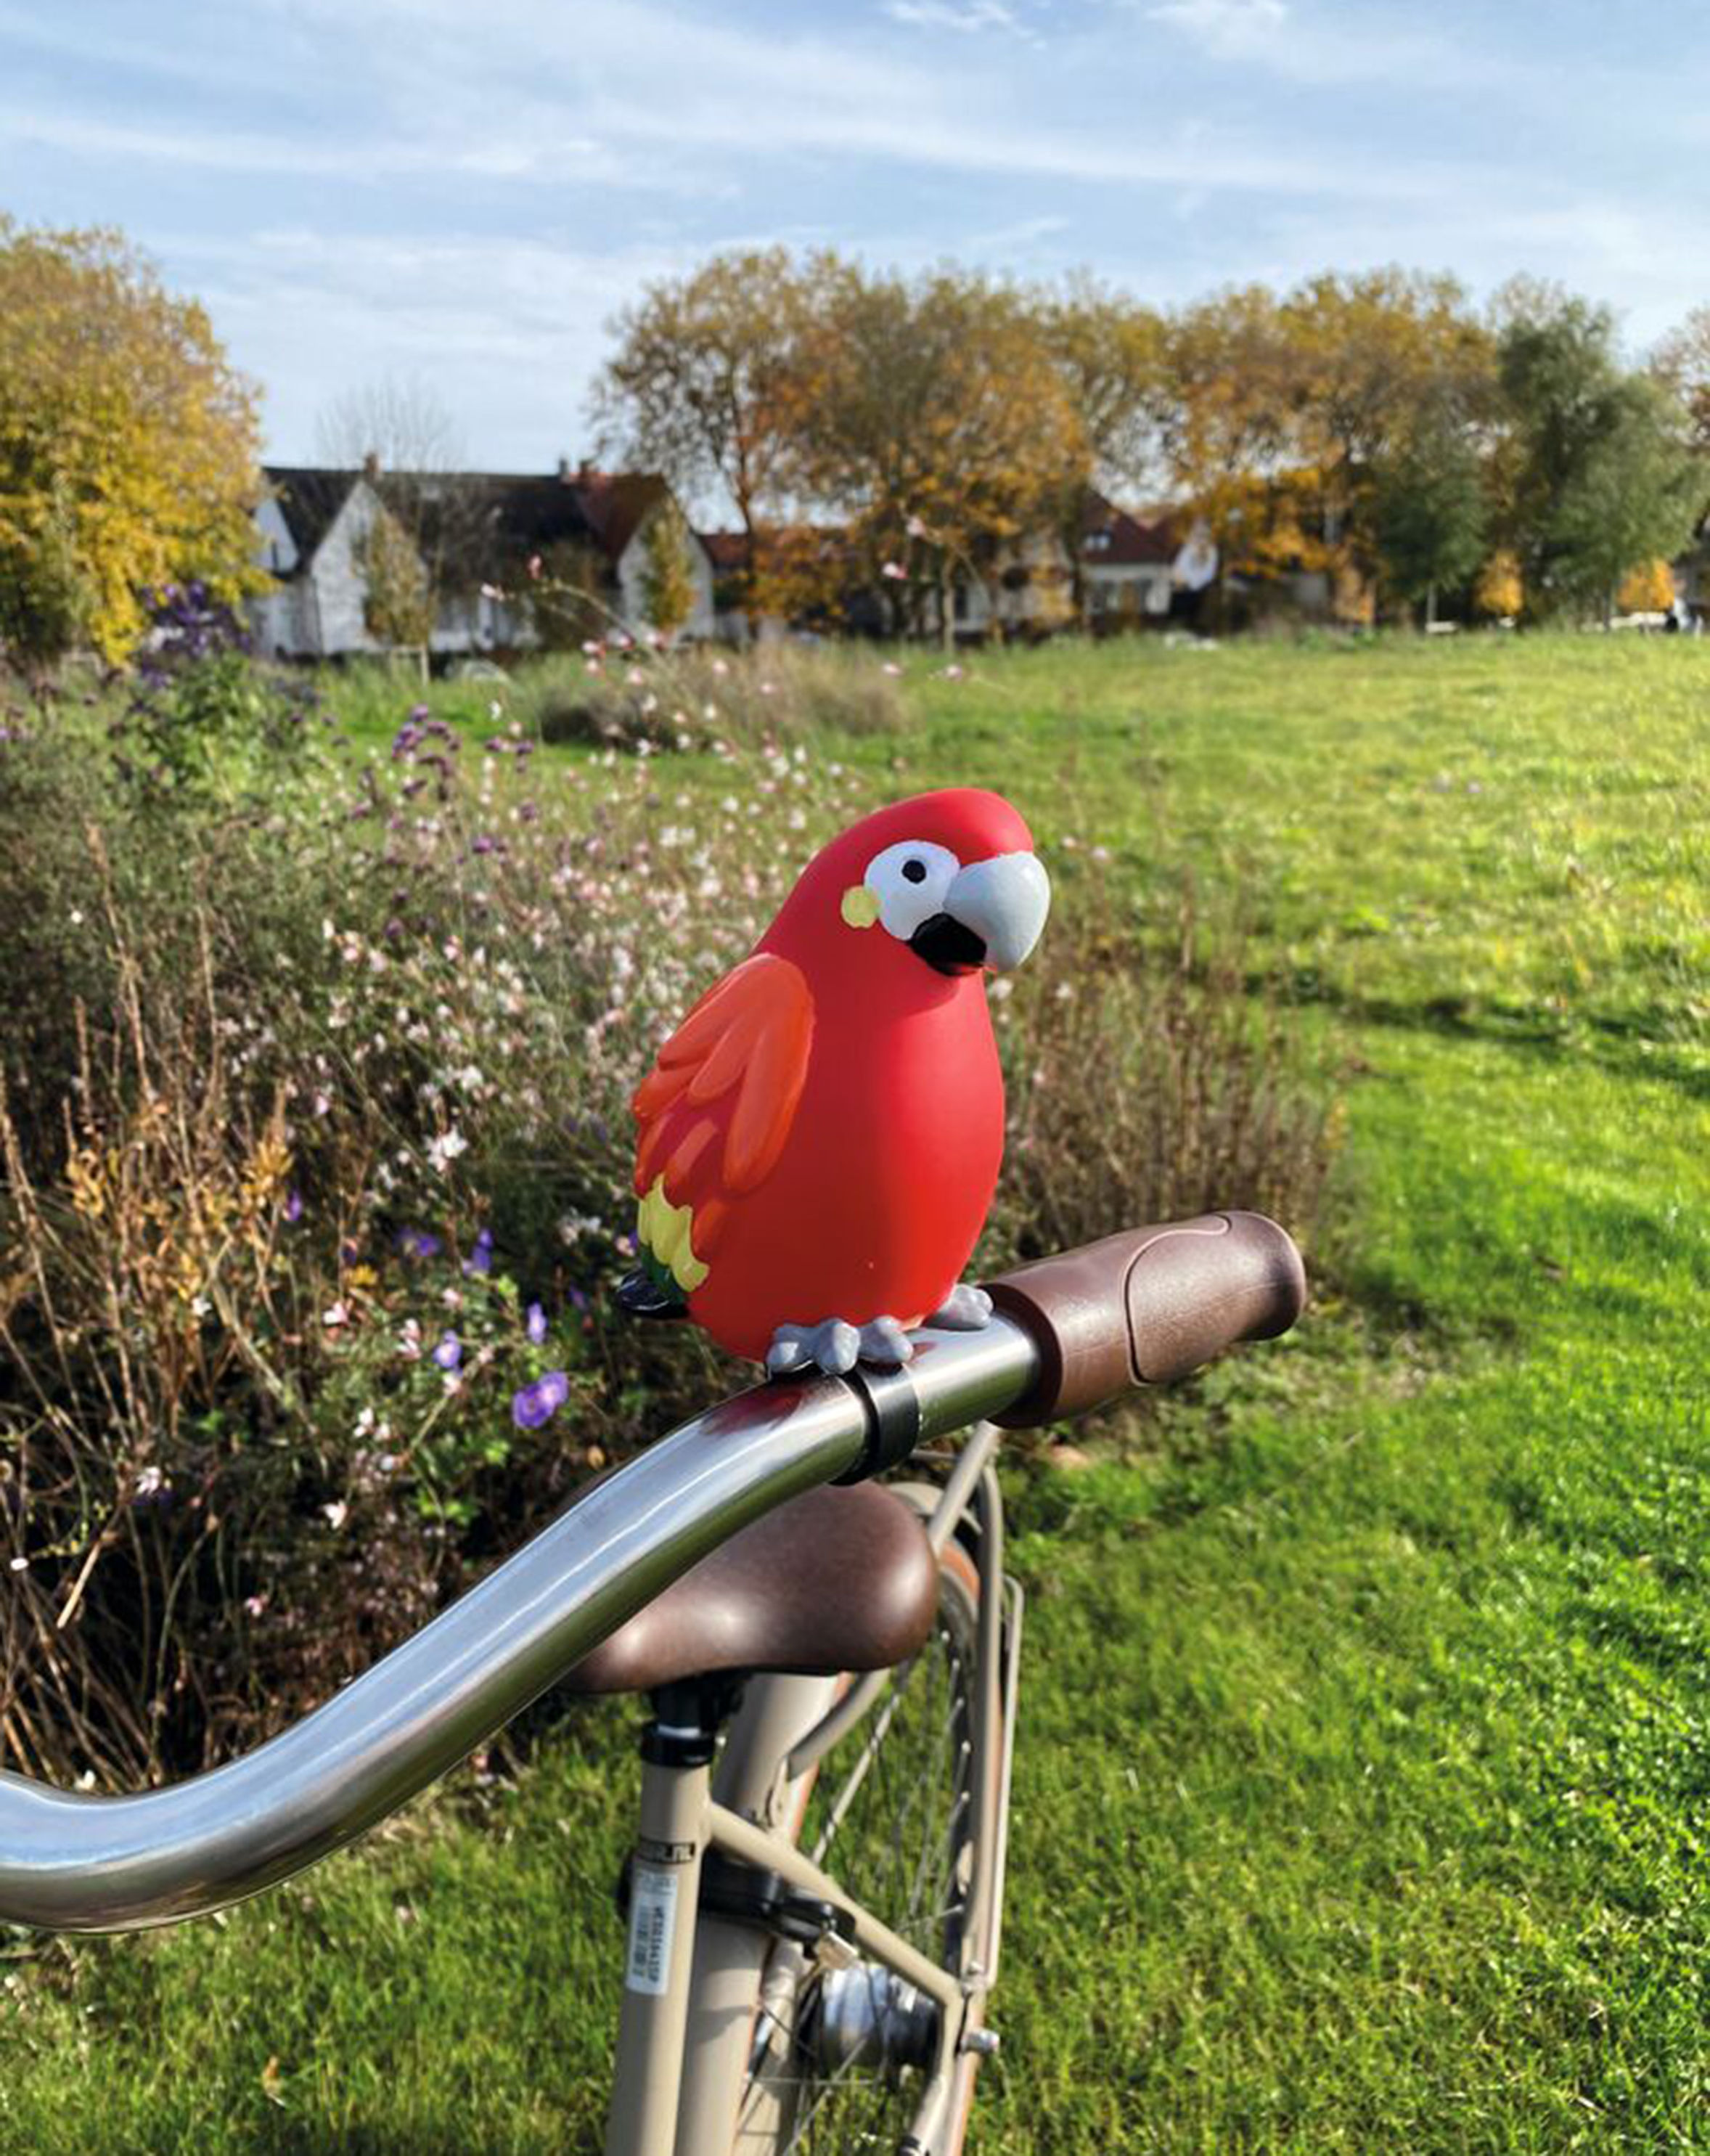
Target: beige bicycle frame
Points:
(693, 1983)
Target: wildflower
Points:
(536, 1325)
(915, 528)
(20, 1564)
(335, 1314)
(418, 1242)
(534, 566)
(337, 1513)
(535, 1405)
(895, 572)
(480, 1258)
(890, 666)
(443, 1150)
(293, 1209)
(409, 1340)
(954, 672)
(253, 1604)
(449, 1352)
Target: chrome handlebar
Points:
(84, 1863)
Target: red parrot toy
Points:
(820, 1139)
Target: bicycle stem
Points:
(79, 1862)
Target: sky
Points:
(459, 194)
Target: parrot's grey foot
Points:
(835, 1347)
(969, 1310)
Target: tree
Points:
(1649, 588)
(1373, 363)
(698, 388)
(1227, 418)
(1430, 508)
(1596, 472)
(128, 446)
(405, 441)
(398, 607)
(1109, 350)
(1498, 593)
(47, 598)
(928, 414)
(669, 579)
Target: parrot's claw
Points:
(834, 1346)
(969, 1310)
(885, 1342)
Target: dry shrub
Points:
(693, 698)
(1151, 1084)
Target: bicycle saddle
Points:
(838, 1580)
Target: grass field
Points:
(1361, 1792)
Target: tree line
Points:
(1378, 427)
(904, 432)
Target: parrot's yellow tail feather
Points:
(666, 1231)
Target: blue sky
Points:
(461, 192)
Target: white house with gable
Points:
(313, 529)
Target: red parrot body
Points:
(822, 1135)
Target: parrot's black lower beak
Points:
(948, 945)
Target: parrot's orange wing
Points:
(716, 1109)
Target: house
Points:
(495, 545)
(1122, 574)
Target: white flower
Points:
(337, 1513)
(337, 1313)
(443, 1150)
(148, 1481)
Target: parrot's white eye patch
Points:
(911, 881)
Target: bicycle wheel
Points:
(838, 2054)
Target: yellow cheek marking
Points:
(861, 907)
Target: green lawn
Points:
(1361, 1789)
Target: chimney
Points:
(565, 473)
(371, 464)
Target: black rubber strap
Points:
(893, 1411)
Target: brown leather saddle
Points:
(838, 1580)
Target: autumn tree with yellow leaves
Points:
(930, 418)
(700, 386)
(128, 453)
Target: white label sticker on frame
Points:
(652, 1921)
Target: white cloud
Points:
(1225, 26)
(962, 15)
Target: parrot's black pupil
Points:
(916, 871)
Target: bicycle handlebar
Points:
(74, 1862)
(1146, 1307)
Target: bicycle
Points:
(815, 1894)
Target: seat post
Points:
(677, 1748)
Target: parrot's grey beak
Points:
(994, 911)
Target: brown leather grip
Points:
(1148, 1305)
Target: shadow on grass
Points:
(1627, 1047)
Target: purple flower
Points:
(293, 1207)
(578, 1298)
(418, 1242)
(536, 1324)
(449, 1352)
(480, 1258)
(536, 1404)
